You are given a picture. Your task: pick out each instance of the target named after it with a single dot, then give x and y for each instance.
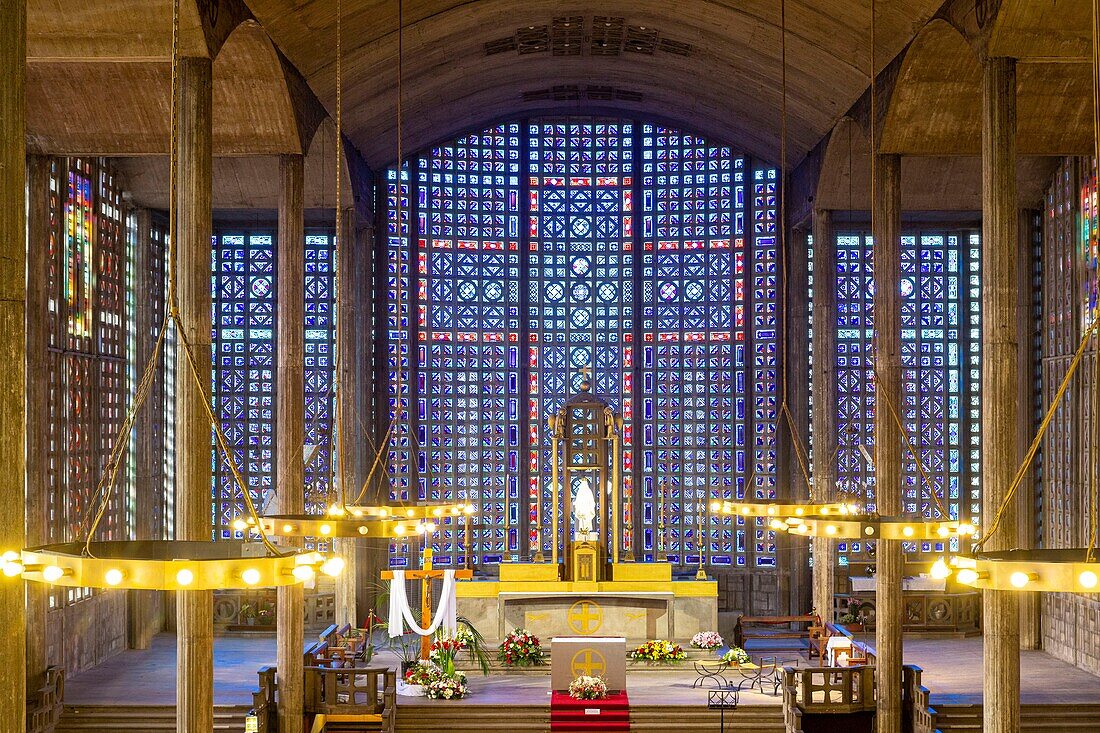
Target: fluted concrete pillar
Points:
(194, 609)
(352, 330)
(888, 442)
(13, 351)
(1000, 376)
(38, 395)
(290, 412)
(824, 413)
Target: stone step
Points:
(152, 718)
(536, 718)
(1034, 718)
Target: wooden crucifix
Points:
(426, 574)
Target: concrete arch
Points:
(253, 111)
(936, 101)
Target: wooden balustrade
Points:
(45, 704)
(915, 701)
(264, 701)
(351, 691)
(846, 690)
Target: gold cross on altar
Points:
(588, 662)
(427, 574)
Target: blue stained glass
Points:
(939, 316)
(528, 259)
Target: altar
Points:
(590, 584)
(635, 610)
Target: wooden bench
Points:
(773, 627)
(337, 647)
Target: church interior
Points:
(425, 365)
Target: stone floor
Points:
(952, 671)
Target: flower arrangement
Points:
(588, 688)
(447, 687)
(443, 653)
(736, 655)
(706, 640)
(658, 651)
(420, 674)
(521, 649)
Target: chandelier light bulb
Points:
(1020, 579)
(251, 576)
(333, 566)
(185, 577)
(303, 572)
(13, 569)
(113, 576)
(1087, 579)
(52, 574)
(967, 576)
(940, 571)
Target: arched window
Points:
(532, 249)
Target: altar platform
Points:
(952, 671)
(640, 601)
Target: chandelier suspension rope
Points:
(172, 316)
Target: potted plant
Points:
(521, 649)
(853, 618)
(588, 688)
(474, 643)
(247, 614)
(407, 648)
(266, 615)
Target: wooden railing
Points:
(845, 690)
(351, 691)
(45, 704)
(264, 702)
(826, 690)
(915, 701)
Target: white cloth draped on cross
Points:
(446, 615)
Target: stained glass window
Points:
(319, 332)
(580, 305)
(88, 265)
(244, 350)
(639, 252)
(941, 349)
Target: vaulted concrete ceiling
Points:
(712, 66)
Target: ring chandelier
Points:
(358, 521)
(165, 565)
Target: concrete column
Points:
(797, 396)
(290, 409)
(824, 413)
(13, 351)
(194, 609)
(350, 333)
(1027, 333)
(888, 442)
(145, 605)
(38, 395)
(1000, 377)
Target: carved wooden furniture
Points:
(925, 611)
(773, 627)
